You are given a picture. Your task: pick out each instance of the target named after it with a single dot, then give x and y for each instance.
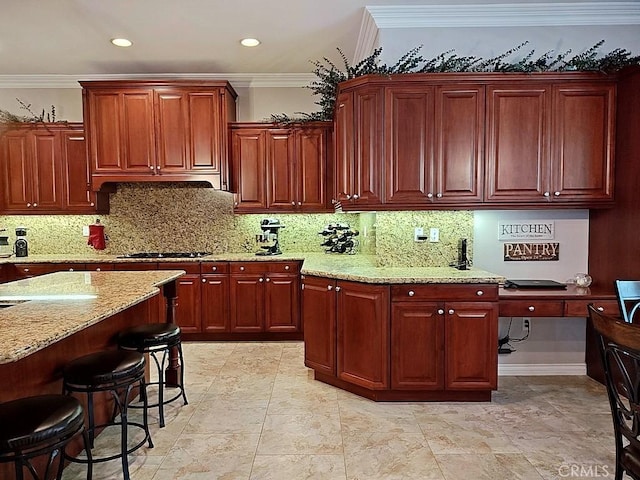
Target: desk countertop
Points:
(54, 306)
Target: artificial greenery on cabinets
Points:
(32, 117)
(330, 75)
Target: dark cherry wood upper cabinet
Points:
(158, 131)
(44, 170)
(281, 169)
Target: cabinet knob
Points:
(556, 194)
(479, 293)
(261, 280)
(92, 204)
(98, 269)
(26, 270)
(329, 287)
(293, 203)
(286, 267)
(439, 195)
(28, 204)
(356, 196)
(214, 268)
(299, 204)
(204, 280)
(71, 269)
(600, 309)
(235, 204)
(429, 195)
(267, 279)
(158, 167)
(338, 289)
(411, 293)
(348, 197)
(333, 201)
(35, 204)
(546, 194)
(531, 308)
(451, 311)
(241, 269)
(150, 167)
(440, 311)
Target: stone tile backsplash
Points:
(188, 217)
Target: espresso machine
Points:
(268, 239)
(21, 246)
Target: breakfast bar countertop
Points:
(48, 308)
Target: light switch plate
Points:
(434, 235)
(85, 230)
(417, 233)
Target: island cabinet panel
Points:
(319, 323)
(158, 131)
(417, 346)
(358, 164)
(363, 334)
(471, 345)
(188, 303)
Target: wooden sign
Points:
(537, 252)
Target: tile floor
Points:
(255, 412)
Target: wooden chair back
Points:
(628, 293)
(620, 352)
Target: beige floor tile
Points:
(294, 467)
(307, 433)
(487, 467)
(227, 416)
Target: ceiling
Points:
(71, 37)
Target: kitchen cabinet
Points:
(214, 293)
(188, 303)
(433, 144)
(44, 170)
(281, 169)
(319, 300)
(358, 164)
(264, 296)
(550, 143)
(429, 141)
(444, 337)
(158, 131)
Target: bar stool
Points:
(155, 338)
(116, 372)
(39, 425)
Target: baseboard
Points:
(511, 369)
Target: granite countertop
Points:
(359, 267)
(54, 306)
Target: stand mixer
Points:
(268, 239)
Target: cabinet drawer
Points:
(99, 267)
(34, 269)
(214, 267)
(578, 308)
(136, 266)
(264, 267)
(443, 292)
(189, 267)
(531, 308)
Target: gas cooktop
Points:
(165, 255)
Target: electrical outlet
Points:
(526, 325)
(434, 235)
(418, 234)
(85, 230)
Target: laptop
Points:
(546, 284)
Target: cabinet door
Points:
(249, 168)
(311, 168)
(171, 114)
(207, 125)
(409, 113)
(518, 127)
(363, 334)
(583, 143)
(319, 324)
(16, 171)
(282, 303)
(344, 160)
(78, 194)
(369, 140)
(417, 346)
(471, 345)
(47, 171)
(120, 123)
(459, 144)
(280, 180)
(247, 303)
(215, 303)
(188, 303)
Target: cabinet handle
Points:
(411, 293)
(338, 289)
(479, 293)
(286, 267)
(261, 280)
(204, 280)
(329, 287)
(451, 311)
(76, 138)
(531, 308)
(26, 270)
(429, 195)
(241, 269)
(98, 269)
(600, 309)
(440, 311)
(556, 194)
(439, 195)
(546, 194)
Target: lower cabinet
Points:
(402, 342)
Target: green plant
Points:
(329, 75)
(8, 117)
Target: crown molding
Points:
(238, 80)
(367, 37)
(506, 15)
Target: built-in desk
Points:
(571, 302)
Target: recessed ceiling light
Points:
(121, 42)
(250, 42)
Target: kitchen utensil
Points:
(21, 245)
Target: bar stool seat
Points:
(39, 425)
(155, 338)
(116, 372)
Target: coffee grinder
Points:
(268, 239)
(21, 246)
